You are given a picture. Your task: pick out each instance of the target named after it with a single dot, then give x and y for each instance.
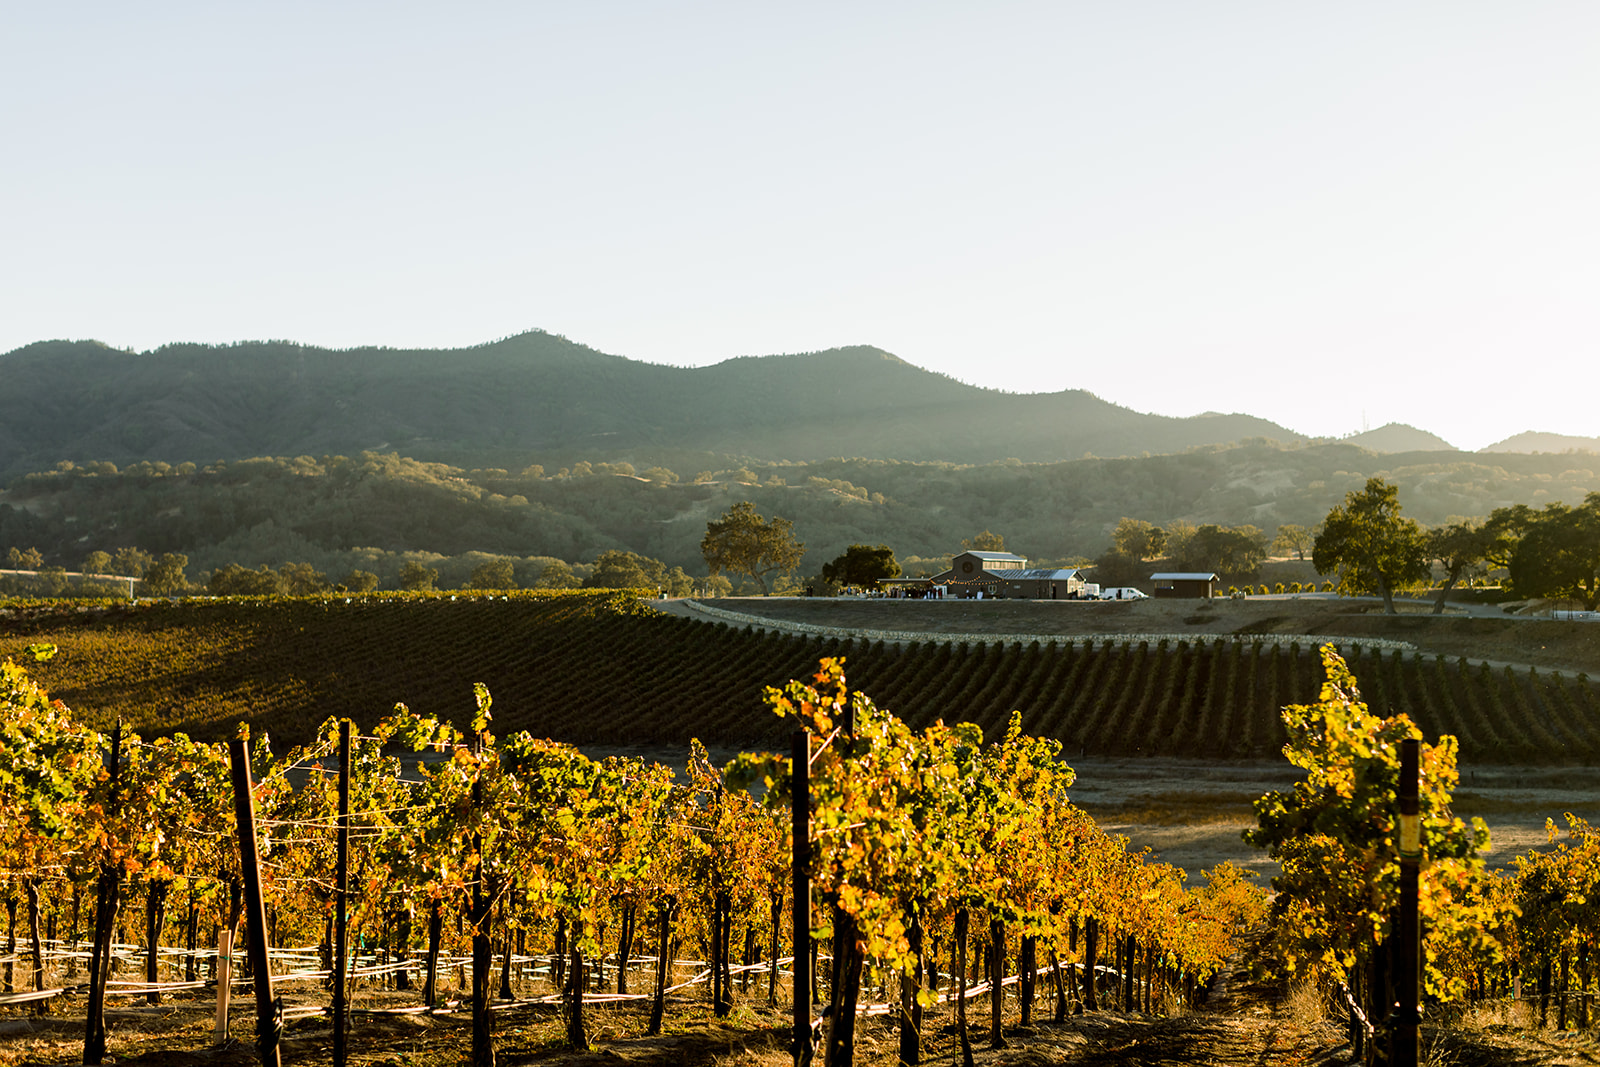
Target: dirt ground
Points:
(1244, 1021)
(1190, 813)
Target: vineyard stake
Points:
(800, 804)
(1407, 1015)
(269, 1024)
(105, 914)
(341, 898)
(224, 983)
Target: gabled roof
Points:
(1047, 574)
(996, 556)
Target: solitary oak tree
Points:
(745, 543)
(1372, 547)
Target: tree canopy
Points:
(1293, 540)
(493, 574)
(745, 543)
(984, 542)
(1138, 539)
(165, 575)
(1237, 551)
(629, 570)
(1459, 547)
(414, 575)
(863, 565)
(1371, 546)
(1558, 554)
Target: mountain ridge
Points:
(85, 401)
(538, 393)
(1536, 441)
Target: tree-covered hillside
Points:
(375, 511)
(488, 405)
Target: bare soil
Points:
(1245, 1020)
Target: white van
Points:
(1123, 592)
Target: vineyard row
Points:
(599, 668)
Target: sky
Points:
(1333, 216)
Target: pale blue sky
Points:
(1320, 214)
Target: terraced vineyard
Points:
(601, 668)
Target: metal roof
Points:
(1038, 574)
(1184, 576)
(995, 556)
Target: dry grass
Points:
(1179, 808)
(1304, 1004)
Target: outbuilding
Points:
(1044, 583)
(1180, 585)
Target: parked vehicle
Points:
(1091, 591)
(1123, 592)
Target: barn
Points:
(985, 573)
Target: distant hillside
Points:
(84, 401)
(1398, 437)
(1545, 442)
(376, 511)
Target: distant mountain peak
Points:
(1532, 441)
(1398, 437)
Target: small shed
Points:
(1190, 585)
(1044, 583)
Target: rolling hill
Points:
(486, 405)
(1545, 442)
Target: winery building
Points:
(1002, 574)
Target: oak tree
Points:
(863, 565)
(984, 542)
(745, 543)
(493, 574)
(165, 576)
(1371, 546)
(1138, 539)
(1558, 555)
(1459, 547)
(1293, 540)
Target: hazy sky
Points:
(1329, 215)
